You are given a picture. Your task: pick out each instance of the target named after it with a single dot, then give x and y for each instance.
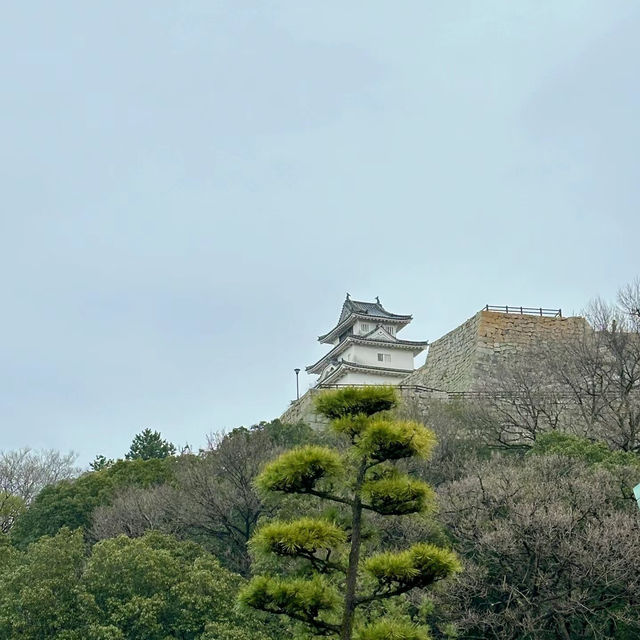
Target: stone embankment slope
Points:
(472, 353)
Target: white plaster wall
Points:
(357, 377)
(358, 327)
(349, 354)
(363, 326)
(364, 354)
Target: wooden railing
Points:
(529, 311)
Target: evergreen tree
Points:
(362, 477)
(100, 462)
(149, 444)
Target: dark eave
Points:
(350, 320)
(344, 366)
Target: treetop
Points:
(352, 401)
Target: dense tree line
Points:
(547, 541)
(153, 587)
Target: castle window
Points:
(364, 328)
(391, 330)
(384, 357)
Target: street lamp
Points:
(297, 384)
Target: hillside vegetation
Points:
(483, 518)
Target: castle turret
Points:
(366, 349)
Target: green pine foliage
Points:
(336, 588)
(298, 470)
(304, 536)
(398, 494)
(416, 567)
(149, 444)
(298, 598)
(352, 401)
(351, 426)
(393, 630)
(387, 439)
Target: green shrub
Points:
(596, 453)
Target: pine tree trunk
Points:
(346, 630)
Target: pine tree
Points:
(362, 478)
(149, 444)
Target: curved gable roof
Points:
(372, 309)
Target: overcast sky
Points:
(188, 189)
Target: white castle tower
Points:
(366, 349)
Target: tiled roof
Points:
(373, 309)
(354, 309)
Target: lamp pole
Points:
(297, 384)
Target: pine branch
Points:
(325, 628)
(381, 595)
(322, 565)
(328, 496)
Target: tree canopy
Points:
(152, 587)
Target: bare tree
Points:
(520, 400)
(219, 502)
(136, 510)
(600, 371)
(550, 547)
(25, 472)
(587, 383)
(629, 302)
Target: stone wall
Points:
(303, 410)
(450, 360)
(503, 336)
(470, 354)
